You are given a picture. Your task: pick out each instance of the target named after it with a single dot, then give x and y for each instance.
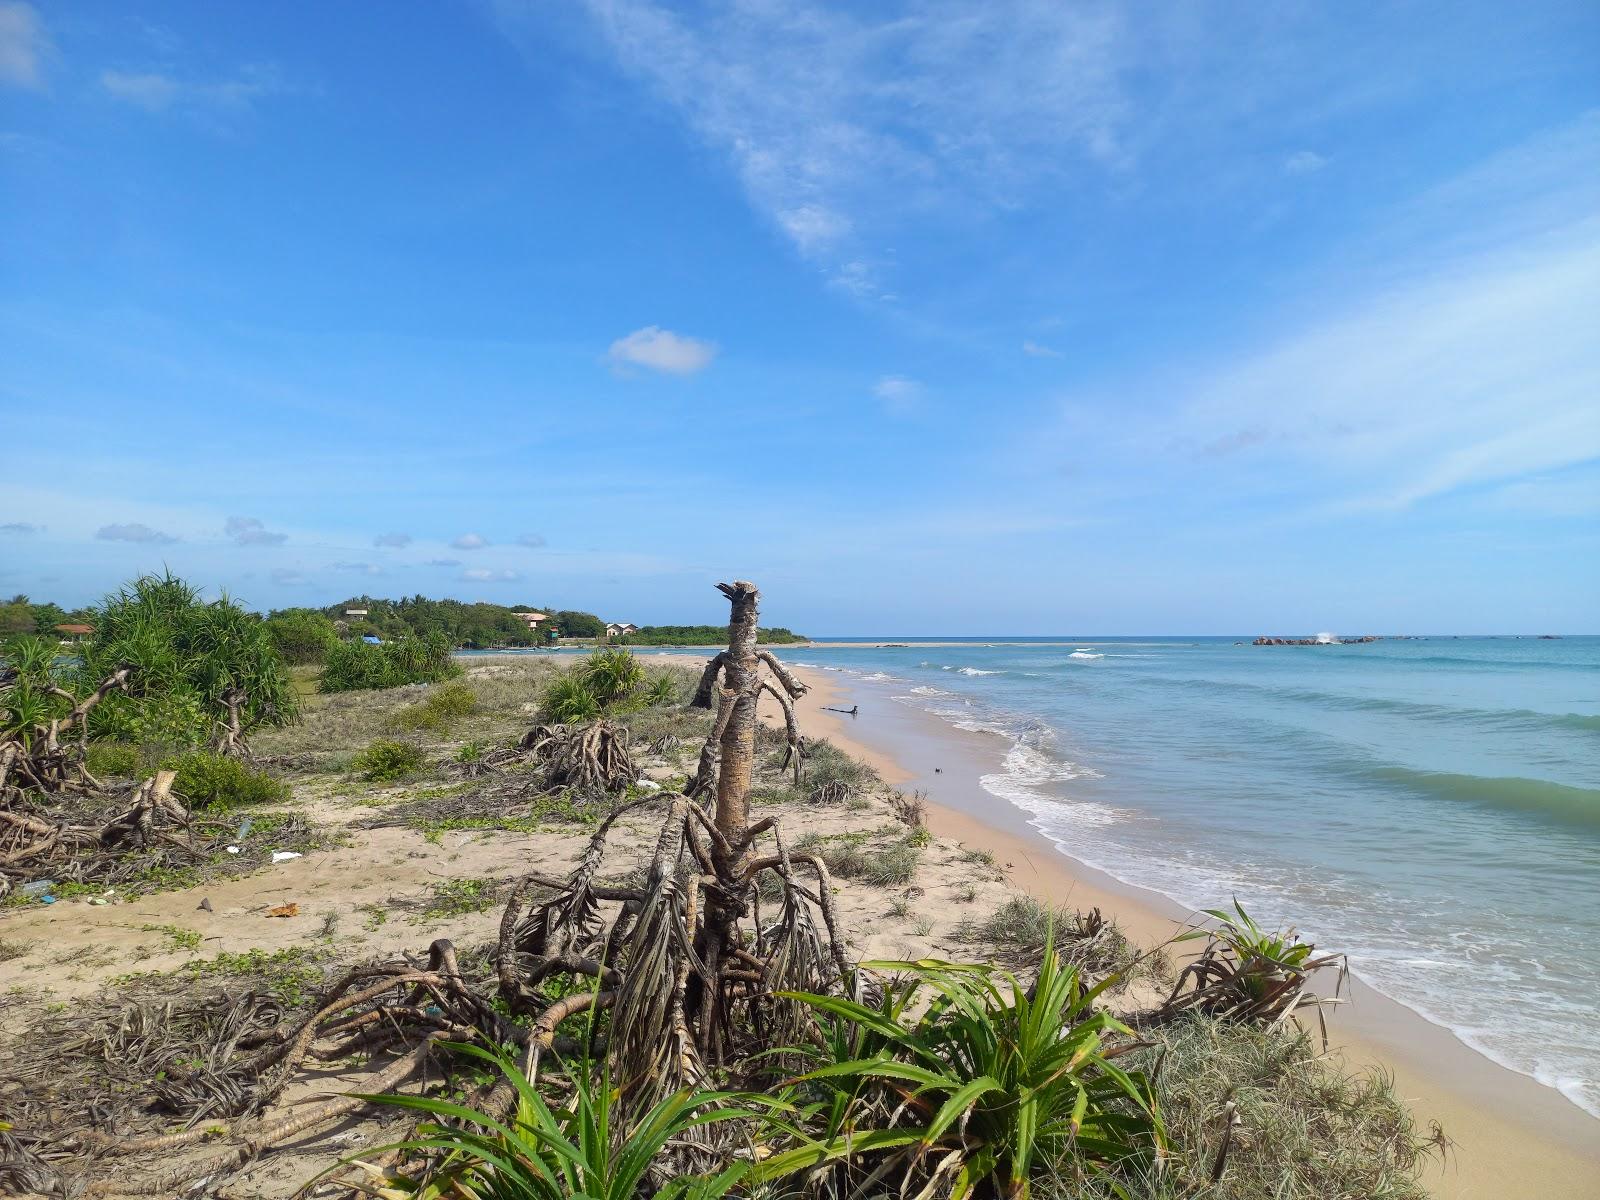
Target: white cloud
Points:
(899, 394)
(488, 575)
(20, 527)
(532, 540)
(470, 541)
(394, 540)
(660, 349)
(1304, 162)
(133, 532)
(250, 531)
(23, 45)
(1036, 350)
(150, 91)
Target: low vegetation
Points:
(611, 682)
(439, 710)
(1020, 930)
(881, 862)
(386, 761)
(357, 665)
(704, 635)
(212, 782)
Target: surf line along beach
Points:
(1512, 1136)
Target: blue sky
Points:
(1013, 317)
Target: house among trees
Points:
(355, 612)
(531, 619)
(622, 629)
(75, 633)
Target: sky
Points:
(1018, 317)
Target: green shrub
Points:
(187, 655)
(568, 701)
(440, 709)
(356, 665)
(611, 675)
(217, 782)
(385, 761)
(114, 760)
(302, 635)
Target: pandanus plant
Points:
(965, 1080)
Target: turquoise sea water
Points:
(1430, 806)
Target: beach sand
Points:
(1513, 1137)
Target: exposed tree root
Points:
(592, 757)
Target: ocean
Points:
(1431, 806)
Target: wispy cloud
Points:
(1037, 350)
(490, 575)
(358, 568)
(444, 562)
(470, 541)
(392, 540)
(835, 119)
(159, 91)
(1304, 162)
(287, 576)
(133, 532)
(251, 531)
(658, 349)
(899, 394)
(534, 541)
(20, 527)
(23, 45)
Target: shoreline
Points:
(1512, 1134)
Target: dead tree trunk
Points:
(740, 676)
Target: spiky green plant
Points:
(188, 656)
(611, 675)
(568, 701)
(556, 1153)
(976, 1090)
(1250, 973)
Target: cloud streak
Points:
(159, 91)
(134, 532)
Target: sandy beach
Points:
(1512, 1136)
